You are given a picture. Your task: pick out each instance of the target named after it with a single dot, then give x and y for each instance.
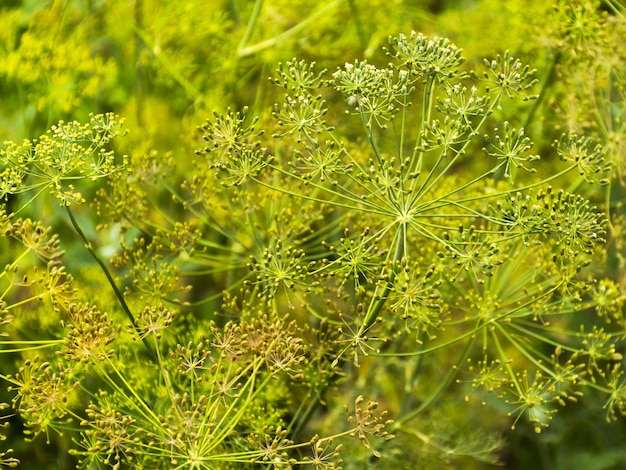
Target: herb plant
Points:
(351, 277)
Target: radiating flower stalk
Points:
(436, 237)
(510, 256)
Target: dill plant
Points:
(302, 263)
(479, 260)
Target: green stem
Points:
(129, 394)
(380, 299)
(192, 91)
(443, 384)
(29, 345)
(250, 50)
(616, 8)
(547, 80)
(139, 69)
(362, 205)
(107, 273)
(304, 418)
(354, 13)
(251, 23)
(431, 180)
(427, 104)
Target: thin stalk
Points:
(229, 421)
(251, 24)
(372, 141)
(443, 384)
(430, 182)
(304, 418)
(507, 364)
(470, 333)
(354, 13)
(250, 50)
(192, 91)
(380, 299)
(547, 80)
(127, 391)
(427, 104)
(443, 203)
(362, 205)
(139, 69)
(107, 273)
(30, 345)
(27, 203)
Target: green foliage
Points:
(363, 265)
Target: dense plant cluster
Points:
(379, 259)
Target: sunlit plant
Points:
(377, 218)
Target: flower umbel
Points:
(67, 154)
